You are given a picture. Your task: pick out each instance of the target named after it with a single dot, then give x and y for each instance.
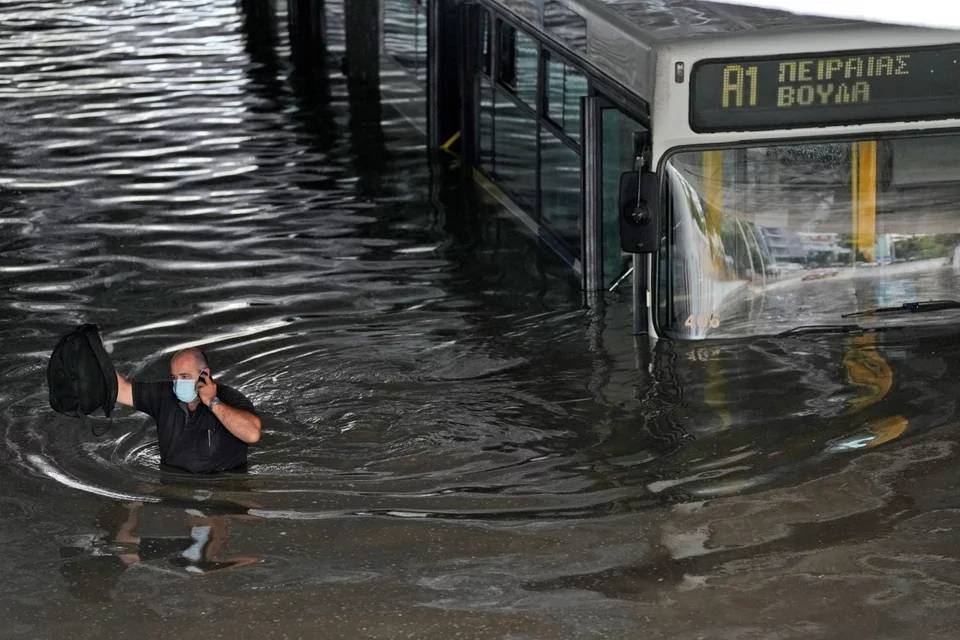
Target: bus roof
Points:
(639, 43)
(668, 19)
(620, 38)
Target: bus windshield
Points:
(771, 239)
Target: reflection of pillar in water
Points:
(362, 23)
(362, 67)
(864, 191)
(260, 28)
(306, 20)
(260, 43)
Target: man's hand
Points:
(124, 391)
(206, 387)
(242, 424)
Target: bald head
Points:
(188, 363)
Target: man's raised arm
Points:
(124, 391)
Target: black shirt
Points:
(197, 441)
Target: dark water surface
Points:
(452, 446)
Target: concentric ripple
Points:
(446, 427)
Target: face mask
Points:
(186, 390)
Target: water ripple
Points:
(432, 389)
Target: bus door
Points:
(616, 144)
(612, 137)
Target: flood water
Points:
(453, 446)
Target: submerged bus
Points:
(750, 171)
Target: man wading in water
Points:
(202, 427)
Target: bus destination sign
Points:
(842, 88)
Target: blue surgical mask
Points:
(186, 390)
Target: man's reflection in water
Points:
(118, 545)
(204, 555)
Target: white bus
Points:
(798, 174)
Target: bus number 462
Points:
(702, 320)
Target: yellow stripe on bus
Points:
(865, 200)
(449, 143)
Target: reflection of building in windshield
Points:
(825, 249)
(783, 245)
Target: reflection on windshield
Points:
(766, 239)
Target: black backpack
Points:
(80, 375)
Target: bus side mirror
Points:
(639, 212)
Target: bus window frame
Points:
(485, 63)
(547, 55)
(500, 53)
(631, 104)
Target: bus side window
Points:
(508, 54)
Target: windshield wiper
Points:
(824, 328)
(908, 307)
